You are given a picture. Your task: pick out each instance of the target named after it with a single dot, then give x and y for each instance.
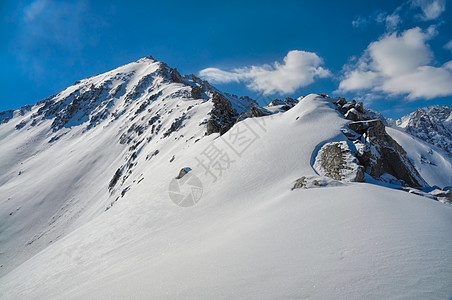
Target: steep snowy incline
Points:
(249, 235)
(59, 157)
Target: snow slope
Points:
(54, 181)
(249, 236)
(433, 163)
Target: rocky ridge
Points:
(432, 124)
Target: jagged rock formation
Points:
(377, 152)
(222, 117)
(351, 110)
(381, 154)
(432, 124)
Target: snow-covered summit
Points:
(432, 124)
(289, 200)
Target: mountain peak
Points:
(432, 124)
(108, 150)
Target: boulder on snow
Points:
(336, 161)
(183, 172)
(300, 183)
(309, 182)
(353, 115)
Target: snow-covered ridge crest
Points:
(87, 184)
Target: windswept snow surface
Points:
(250, 236)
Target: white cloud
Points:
(425, 82)
(300, 68)
(448, 46)
(357, 80)
(400, 64)
(392, 21)
(431, 9)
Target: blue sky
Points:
(393, 55)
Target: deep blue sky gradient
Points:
(70, 40)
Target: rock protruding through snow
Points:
(336, 161)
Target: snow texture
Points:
(66, 234)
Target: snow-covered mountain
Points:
(432, 124)
(144, 183)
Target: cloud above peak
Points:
(299, 69)
(400, 64)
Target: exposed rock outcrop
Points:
(285, 104)
(432, 124)
(335, 160)
(176, 77)
(351, 110)
(196, 92)
(309, 182)
(183, 172)
(256, 112)
(380, 154)
(222, 117)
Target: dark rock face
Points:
(276, 102)
(341, 102)
(176, 77)
(382, 154)
(222, 117)
(196, 92)
(290, 101)
(363, 126)
(175, 126)
(257, 112)
(115, 179)
(349, 105)
(351, 110)
(353, 115)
